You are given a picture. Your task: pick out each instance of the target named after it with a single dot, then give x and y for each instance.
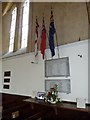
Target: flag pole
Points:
(51, 13)
(57, 44)
(36, 41)
(51, 34)
(43, 39)
(45, 56)
(56, 40)
(48, 42)
(46, 37)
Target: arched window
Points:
(12, 29)
(25, 17)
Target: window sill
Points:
(18, 52)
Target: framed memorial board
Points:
(63, 85)
(57, 67)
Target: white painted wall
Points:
(27, 77)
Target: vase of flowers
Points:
(52, 95)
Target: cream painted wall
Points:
(27, 77)
(5, 31)
(0, 28)
(70, 19)
(0, 46)
(89, 68)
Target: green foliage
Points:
(52, 95)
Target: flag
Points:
(43, 39)
(36, 40)
(51, 34)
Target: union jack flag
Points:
(36, 40)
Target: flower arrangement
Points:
(52, 95)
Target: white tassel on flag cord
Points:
(36, 46)
(36, 51)
(36, 42)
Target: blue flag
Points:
(51, 35)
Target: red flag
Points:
(43, 39)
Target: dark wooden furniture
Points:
(62, 111)
(17, 107)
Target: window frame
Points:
(13, 36)
(22, 7)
